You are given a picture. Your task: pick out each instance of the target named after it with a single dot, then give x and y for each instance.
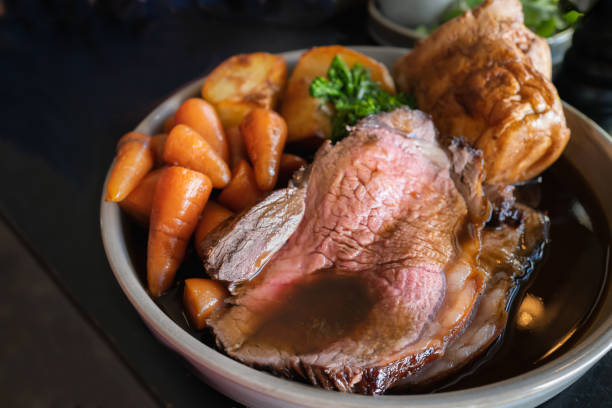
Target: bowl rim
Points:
(377, 15)
(551, 376)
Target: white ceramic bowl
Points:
(590, 151)
(413, 12)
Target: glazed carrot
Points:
(185, 147)
(169, 124)
(242, 192)
(236, 146)
(138, 203)
(200, 297)
(265, 133)
(213, 215)
(289, 164)
(133, 162)
(202, 117)
(157, 145)
(180, 196)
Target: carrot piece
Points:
(202, 117)
(236, 146)
(200, 297)
(185, 147)
(138, 203)
(180, 196)
(242, 192)
(157, 145)
(213, 215)
(133, 162)
(289, 164)
(169, 124)
(265, 133)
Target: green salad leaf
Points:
(572, 16)
(458, 7)
(544, 17)
(353, 95)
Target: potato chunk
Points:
(306, 116)
(244, 82)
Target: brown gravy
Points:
(550, 311)
(321, 309)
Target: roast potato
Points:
(244, 82)
(308, 117)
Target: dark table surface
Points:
(72, 82)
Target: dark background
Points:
(75, 76)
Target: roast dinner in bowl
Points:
(372, 226)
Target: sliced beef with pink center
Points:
(507, 252)
(379, 275)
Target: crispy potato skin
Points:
(244, 82)
(307, 117)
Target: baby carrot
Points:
(242, 192)
(200, 297)
(264, 132)
(138, 203)
(202, 117)
(157, 145)
(133, 162)
(169, 124)
(180, 196)
(213, 215)
(289, 164)
(185, 147)
(236, 146)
